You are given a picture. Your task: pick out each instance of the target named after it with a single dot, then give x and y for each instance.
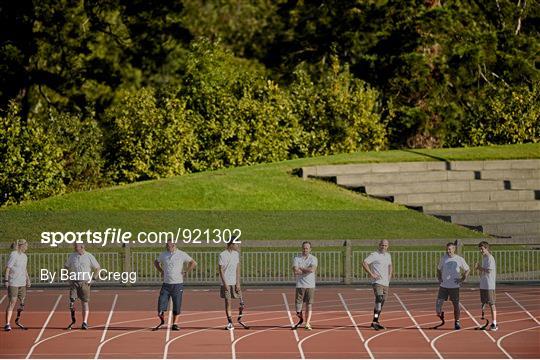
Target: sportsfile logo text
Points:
(119, 236)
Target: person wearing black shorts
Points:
(170, 264)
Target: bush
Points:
(146, 139)
(81, 141)
(505, 116)
(337, 112)
(240, 117)
(31, 162)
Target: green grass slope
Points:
(273, 203)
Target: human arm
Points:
(367, 269)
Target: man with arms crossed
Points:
(229, 273)
(379, 267)
(16, 280)
(452, 271)
(487, 283)
(305, 267)
(80, 263)
(170, 265)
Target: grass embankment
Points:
(264, 200)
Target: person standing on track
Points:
(452, 271)
(170, 265)
(229, 273)
(305, 268)
(80, 264)
(379, 267)
(16, 280)
(487, 282)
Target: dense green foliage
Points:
(99, 92)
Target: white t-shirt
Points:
(307, 280)
(229, 260)
(17, 268)
(379, 263)
(82, 265)
(487, 279)
(451, 268)
(172, 264)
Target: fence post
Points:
(459, 247)
(347, 263)
(126, 266)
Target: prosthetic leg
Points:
(438, 308)
(17, 319)
(379, 302)
(300, 320)
(484, 327)
(240, 313)
(72, 310)
(161, 321)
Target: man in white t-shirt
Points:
(81, 265)
(488, 273)
(305, 269)
(16, 280)
(452, 271)
(230, 274)
(379, 267)
(171, 264)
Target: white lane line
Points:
(418, 327)
(290, 317)
(355, 326)
(48, 319)
(499, 342)
(472, 327)
(476, 322)
(260, 331)
(233, 350)
(522, 308)
(36, 342)
(169, 323)
(3, 298)
(109, 318)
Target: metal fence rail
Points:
(55, 262)
(257, 267)
(408, 266)
(267, 267)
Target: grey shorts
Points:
(229, 292)
(305, 295)
(379, 289)
(79, 290)
(452, 293)
(487, 296)
(17, 292)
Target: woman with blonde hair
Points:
(16, 280)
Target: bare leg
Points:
(9, 309)
(309, 308)
(85, 311)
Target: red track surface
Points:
(121, 321)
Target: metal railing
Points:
(54, 262)
(274, 267)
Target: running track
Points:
(121, 321)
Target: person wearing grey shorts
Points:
(304, 268)
(488, 272)
(379, 267)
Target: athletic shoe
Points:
(377, 326)
(493, 327)
(230, 326)
(84, 326)
(307, 327)
(7, 327)
(457, 325)
(175, 327)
